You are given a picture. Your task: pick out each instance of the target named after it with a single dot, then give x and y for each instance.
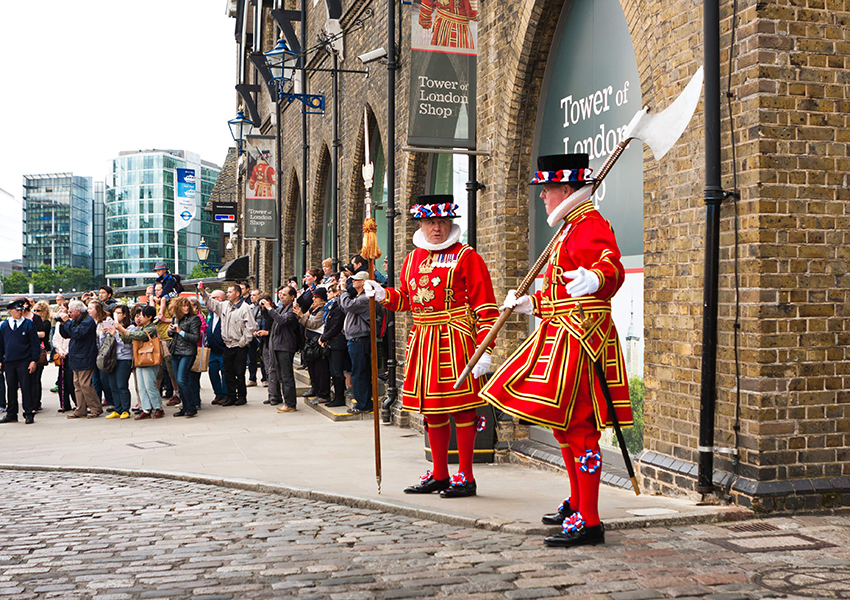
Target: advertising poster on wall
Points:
(443, 62)
(185, 206)
(261, 191)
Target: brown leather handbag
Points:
(147, 353)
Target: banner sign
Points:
(185, 205)
(443, 63)
(591, 91)
(261, 191)
(224, 211)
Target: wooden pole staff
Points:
(370, 252)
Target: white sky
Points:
(81, 81)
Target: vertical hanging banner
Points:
(185, 206)
(260, 190)
(443, 80)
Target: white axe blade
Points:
(661, 130)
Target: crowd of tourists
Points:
(131, 360)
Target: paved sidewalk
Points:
(304, 450)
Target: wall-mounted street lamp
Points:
(239, 128)
(203, 252)
(282, 62)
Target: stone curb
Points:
(690, 518)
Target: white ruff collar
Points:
(569, 203)
(420, 242)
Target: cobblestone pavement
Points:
(70, 535)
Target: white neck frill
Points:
(420, 242)
(569, 203)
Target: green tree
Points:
(78, 278)
(200, 271)
(16, 283)
(634, 435)
(46, 279)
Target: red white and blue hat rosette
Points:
(563, 168)
(434, 207)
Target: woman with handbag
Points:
(185, 331)
(147, 356)
(119, 377)
(99, 381)
(202, 359)
(40, 316)
(65, 381)
(313, 353)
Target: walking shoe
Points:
(267, 401)
(29, 419)
(191, 413)
(335, 404)
(158, 414)
(142, 415)
(308, 393)
(73, 416)
(9, 419)
(428, 484)
(557, 518)
(55, 389)
(460, 487)
(265, 383)
(285, 409)
(251, 383)
(173, 402)
(180, 413)
(359, 411)
(93, 415)
(125, 415)
(229, 402)
(219, 400)
(275, 402)
(582, 536)
(113, 415)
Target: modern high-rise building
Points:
(99, 232)
(10, 227)
(140, 219)
(57, 221)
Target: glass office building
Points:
(57, 221)
(140, 216)
(99, 232)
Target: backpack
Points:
(107, 354)
(179, 280)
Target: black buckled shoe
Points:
(427, 484)
(460, 487)
(558, 518)
(584, 536)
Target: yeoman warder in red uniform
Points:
(550, 379)
(446, 285)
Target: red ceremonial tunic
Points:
(453, 305)
(540, 381)
(450, 21)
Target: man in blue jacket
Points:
(216, 346)
(19, 351)
(81, 329)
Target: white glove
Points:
(583, 282)
(482, 366)
(521, 305)
(373, 289)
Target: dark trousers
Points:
(215, 374)
(35, 386)
(101, 386)
(3, 388)
(18, 376)
(255, 359)
(286, 376)
(189, 394)
(66, 387)
(119, 383)
(234, 373)
(361, 372)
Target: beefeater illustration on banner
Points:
(449, 20)
(550, 379)
(446, 285)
